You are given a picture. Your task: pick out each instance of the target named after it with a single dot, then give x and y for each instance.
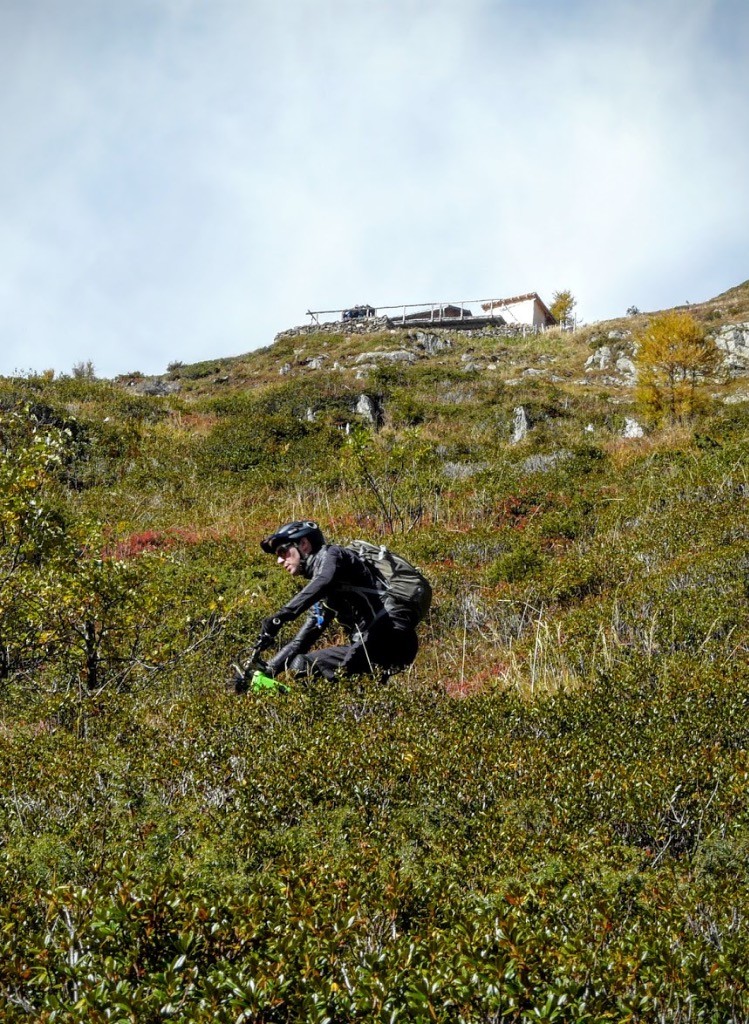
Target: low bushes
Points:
(545, 819)
(360, 851)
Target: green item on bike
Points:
(262, 683)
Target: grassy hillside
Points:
(545, 819)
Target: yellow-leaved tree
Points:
(562, 308)
(675, 361)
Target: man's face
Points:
(290, 558)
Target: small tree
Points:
(674, 360)
(65, 605)
(562, 306)
(395, 474)
(84, 370)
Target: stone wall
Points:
(473, 327)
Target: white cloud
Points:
(183, 179)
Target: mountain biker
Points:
(342, 587)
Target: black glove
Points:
(269, 630)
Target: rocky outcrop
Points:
(612, 363)
(431, 344)
(398, 355)
(632, 429)
(463, 470)
(733, 341)
(520, 425)
(157, 386)
(543, 463)
(469, 363)
(369, 409)
(613, 358)
(599, 360)
(615, 354)
(626, 367)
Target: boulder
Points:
(463, 470)
(432, 343)
(369, 409)
(520, 425)
(153, 386)
(391, 356)
(733, 340)
(632, 429)
(625, 366)
(543, 463)
(600, 360)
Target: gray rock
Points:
(391, 356)
(457, 396)
(520, 425)
(432, 343)
(154, 386)
(625, 365)
(733, 340)
(284, 369)
(632, 429)
(463, 470)
(543, 463)
(470, 363)
(369, 409)
(600, 360)
(316, 363)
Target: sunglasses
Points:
(283, 549)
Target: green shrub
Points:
(515, 565)
(271, 442)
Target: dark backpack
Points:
(407, 592)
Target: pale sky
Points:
(182, 179)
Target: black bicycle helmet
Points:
(291, 533)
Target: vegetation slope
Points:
(545, 819)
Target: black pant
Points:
(383, 648)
